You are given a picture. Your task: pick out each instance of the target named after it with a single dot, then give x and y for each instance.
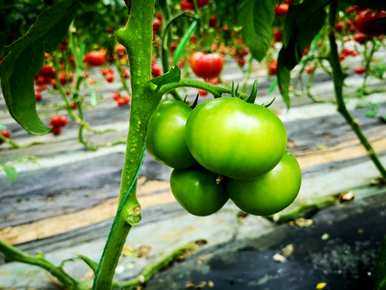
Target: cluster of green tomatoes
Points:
(225, 148)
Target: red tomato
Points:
(202, 93)
(187, 5)
(207, 66)
(281, 9)
(95, 58)
(40, 80)
(309, 70)
(339, 26)
(38, 96)
(277, 35)
(173, 46)
(213, 21)
(156, 25)
(109, 77)
(241, 61)
(371, 22)
(123, 101)
(56, 130)
(47, 71)
(352, 9)
(359, 70)
(156, 70)
(5, 133)
(360, 37)
(58, 121)
(116, 96)
(120, 50)
(272, 68)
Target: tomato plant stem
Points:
(13, 254)
(136, 36)
(338, 79)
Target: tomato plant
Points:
(237, 142)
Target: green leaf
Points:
(24, 58)
(303, 23)
(90, 262)
(171, 76)
(256, 18)
(283, 79)
(10, 171)
(184, 41)
(380, 272)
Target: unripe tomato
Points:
(270, 192)
(166, 134)
(198, 191)
(207, 66)
(281, 9)
(233, 138)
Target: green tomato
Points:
(198, 191)
(270, 192)
(235, 139)
(166, 134)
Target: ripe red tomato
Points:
(359, 70)
(371, 22)
(236, 139)
(95, 58)
(360, 37)
(5, 133)
(198, 191)
(58, 121)
(166, 134)
(38, 96)
(109, 77)
(277, 35)
(56, 130)
(272, 68)
(310, 70)
(202, 93)
(122, 101)
(213, 21)
(241, 61)
(207, 66)
(281, 9)
(47, 71)
(156, 70)
(270, 192)
(187, 5)
(156, 25)
(339, 26)
(120, 50)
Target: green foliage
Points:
(256, 19)
(173, 75)
(24, 58)
(303, 23)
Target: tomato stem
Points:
(136, 36)
(338, 79)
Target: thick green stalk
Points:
(338, 78)
(217, 91)
(136, 36)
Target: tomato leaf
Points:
(380, 273)
(184, 41)
(172, 75)
(24, 58)
(256, 19)
(303, 23)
